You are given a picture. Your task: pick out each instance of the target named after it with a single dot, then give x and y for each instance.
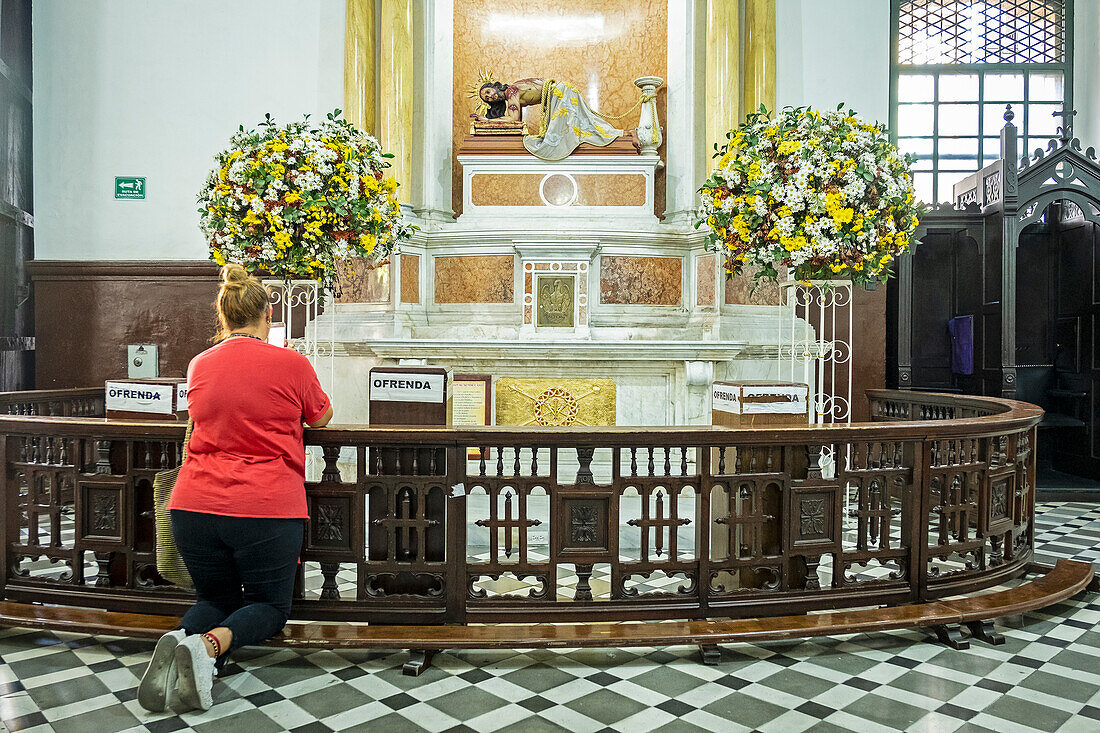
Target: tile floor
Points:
(1046, 677)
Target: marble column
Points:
(723, 71)
(759, 54)
(685, 148)
(434, 74)
(395, 108)
(360, 91)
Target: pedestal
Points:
(578, 189)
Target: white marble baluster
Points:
(649, 127)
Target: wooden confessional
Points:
(1014, 261)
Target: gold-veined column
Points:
(360, 90)
(395, 107)
(759, 54)
(723, 69)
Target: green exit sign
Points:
(129, 187)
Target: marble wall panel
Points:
(743, 289)
(593, 190)
(704, 280)
(600, 47)
(475, 279)
(522, 189)
(359, 282)
(640, 280)
(410, 278)
(559, 189)
(517, 189)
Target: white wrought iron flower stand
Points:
(817, 349)
(303, 299)
(814, 351)
(299, 302)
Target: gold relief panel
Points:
(601, 47)
(360, 282)
(626, 280)
(554, 297)
(541, 294)
(537, 401)
(410, 278)
(475, 279)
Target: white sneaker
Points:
(194, 676)
(160, 675)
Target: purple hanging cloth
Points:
(962, 344)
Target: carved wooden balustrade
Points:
(86, 402)
(441, 525)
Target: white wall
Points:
(833, 52)
(1086, 72)
(154, 89)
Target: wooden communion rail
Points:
(429, 538)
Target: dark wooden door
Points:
(1057, 320)
(1074, 330)
(948, 282)
(16, 197)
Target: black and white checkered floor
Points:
(1046, 677)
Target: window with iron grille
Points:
(958, 63)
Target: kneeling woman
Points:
(239, 504)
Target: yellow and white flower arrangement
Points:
(296, 199)
(825, 194)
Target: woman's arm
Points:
(323, 420)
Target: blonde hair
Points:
(242, 300)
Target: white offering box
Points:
(160, 398)
(755, 404)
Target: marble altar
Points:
(649, 307)
(648, 314)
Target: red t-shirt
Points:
(246, 458)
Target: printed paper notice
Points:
(406, 387)
(775, 399)
(724, 399)
(155, 399)
(467, 402)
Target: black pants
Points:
(243, 569)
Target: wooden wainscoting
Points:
(87, 312)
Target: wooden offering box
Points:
(153, 398)
(750, 404)
(400, 395)
(408, 396)
(756, 404)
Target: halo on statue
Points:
(473, 91)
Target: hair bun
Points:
(234, 273)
